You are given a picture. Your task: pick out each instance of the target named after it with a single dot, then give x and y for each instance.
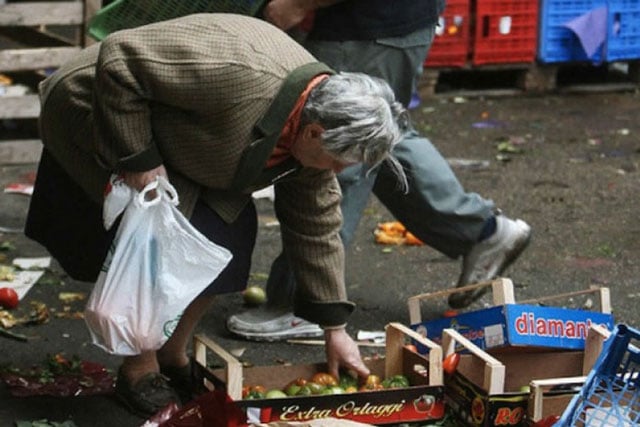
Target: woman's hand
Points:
(139, 180)
(343, 352)
(286, 14)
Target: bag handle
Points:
(169, 192)
(156, 191)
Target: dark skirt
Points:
(68, 224)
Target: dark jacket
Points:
(374, 19)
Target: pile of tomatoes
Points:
(322, 383)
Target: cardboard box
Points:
(422, 401)
(511, 324)
(552, 396)
(487, 389)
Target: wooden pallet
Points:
(516, 79)
(36, 37)
(39, 36)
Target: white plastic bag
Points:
(157, 265)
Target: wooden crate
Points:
(36, 37)
(422, 401)
(490, 389)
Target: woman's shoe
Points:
(147, 396)
(181, 379)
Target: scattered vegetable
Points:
(394, 233)
(450, 363)
(254, 295)
(9, 298)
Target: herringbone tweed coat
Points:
(206, 95)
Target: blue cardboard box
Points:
(519, 325)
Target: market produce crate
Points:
(551, 397)
(611, 393)
(558, 43)
(423, 400)
(623, 30)
(32, 41)
(450, 47)
(506, 32)
(494, 389)
(522, 324)
(122, 14)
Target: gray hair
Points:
(362, 121)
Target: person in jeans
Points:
(209, 101)
(390, 40)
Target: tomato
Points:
(305, 390)
(347, 381)
(315, 388)
(372, 380)
(245, 391)
(450, 363)
(254, 392)
(371, 387)
(450, 313)
(8, 298)
(275, 394)
(396, 381)
(411, 347)
(324, 379)
(254, 295)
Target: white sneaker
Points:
(271, 325)
(489, 258)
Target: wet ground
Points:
(567, 164)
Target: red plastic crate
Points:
(506, 32)
(450, 46)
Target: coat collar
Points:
(251, 172)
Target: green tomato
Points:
(275, 394)
(315, 387)
(348, 381)
(336, 389)
(293, 390)
(254, 295)
(304, 391)
(396, 381)
(255, 395)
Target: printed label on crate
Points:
(374, 407)
(474, 407)
(518, 324)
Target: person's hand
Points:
(139, 180)
(286, 14)
(343, 352)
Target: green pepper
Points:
(396, 381)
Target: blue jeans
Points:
(436, 209)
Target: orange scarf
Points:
(282, 150)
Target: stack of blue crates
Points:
(558, 43)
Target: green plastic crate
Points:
(123, 14)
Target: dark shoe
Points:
(147, 396)
(182, 380)
(489, 258)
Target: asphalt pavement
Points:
(568, 165)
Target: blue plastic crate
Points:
(623, 38)
(556, 42)
(611, 393)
